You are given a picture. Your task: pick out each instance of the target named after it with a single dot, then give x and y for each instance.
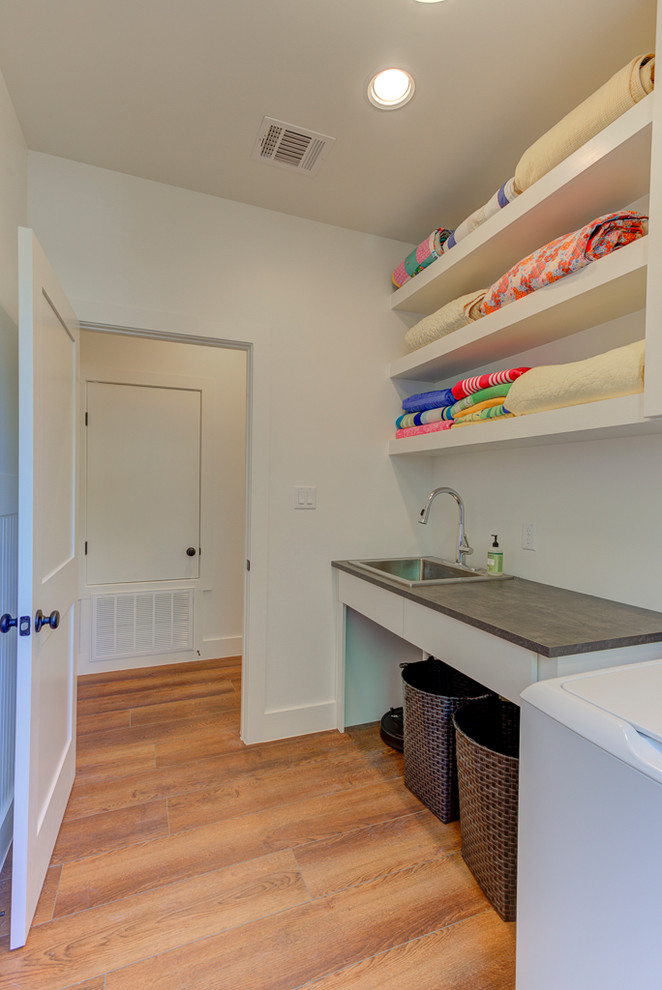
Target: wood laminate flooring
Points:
(189, 861)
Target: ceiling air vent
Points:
(288, 146)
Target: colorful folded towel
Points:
(606, 376)
(506, 194)
(429, 400)
(468, 385)
(495, 392)
(629, 85)
(427, 251)
(484, 416)
(421, 418)
(470, 410)
(564, 256)
(454, 315)
(415, 431)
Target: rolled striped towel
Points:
(422, 418)
(625, 88)
(495, 392)
(564, 256)
(427, 251)
(484, 416)
(429, 400)
(454, 315)
(468, 385)
(479, 407)
(415, 431)
(504, 195)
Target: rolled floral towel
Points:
(564, 256)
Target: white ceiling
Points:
(175, 90)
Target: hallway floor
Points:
(188, 861)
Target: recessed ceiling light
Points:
(428, 1)
(390, 89)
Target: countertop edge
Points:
(548, 652)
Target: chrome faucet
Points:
(463, 547)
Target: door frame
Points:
(253, 687)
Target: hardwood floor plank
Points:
(346, 860)
(90, 797)
(165, 694)
(114, 761)
(84, 945)
(225, 723)
(175, 750)
(83, 837)
(306, 942)
(86, 724)
(271, 787)
(475, 954)
(96, 984)
(120, 872)
(128, 683)
(47, 897)
(168, 670)
(190, 708)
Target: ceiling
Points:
(175, 91)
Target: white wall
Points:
(312, 300)
(221, 374)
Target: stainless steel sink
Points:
(416, 571)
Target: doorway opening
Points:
(163, 496)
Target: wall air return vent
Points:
(142, 624)
(291, 147)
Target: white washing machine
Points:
(589, 898)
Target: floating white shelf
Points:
(609, 172)
(604, 290)
(618, 417)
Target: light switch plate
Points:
(305, 497)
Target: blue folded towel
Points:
(428, 400)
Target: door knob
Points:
(40, 620)
(7, 623)
(190, 552)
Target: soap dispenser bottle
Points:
(494, 557)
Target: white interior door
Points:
(47, 577)
(143, 483)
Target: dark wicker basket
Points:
(433, 692)
(488, 772)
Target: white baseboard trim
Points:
(87, 666)
(287, 722)
(223, 646)
(6, 833)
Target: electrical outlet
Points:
(529, 536)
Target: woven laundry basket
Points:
(487, 734)
(433, 692)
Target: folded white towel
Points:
(458, 313)
(625, 88)
(504, 195)
(616, 372)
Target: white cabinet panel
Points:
(500, 665)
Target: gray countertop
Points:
(551, 621)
